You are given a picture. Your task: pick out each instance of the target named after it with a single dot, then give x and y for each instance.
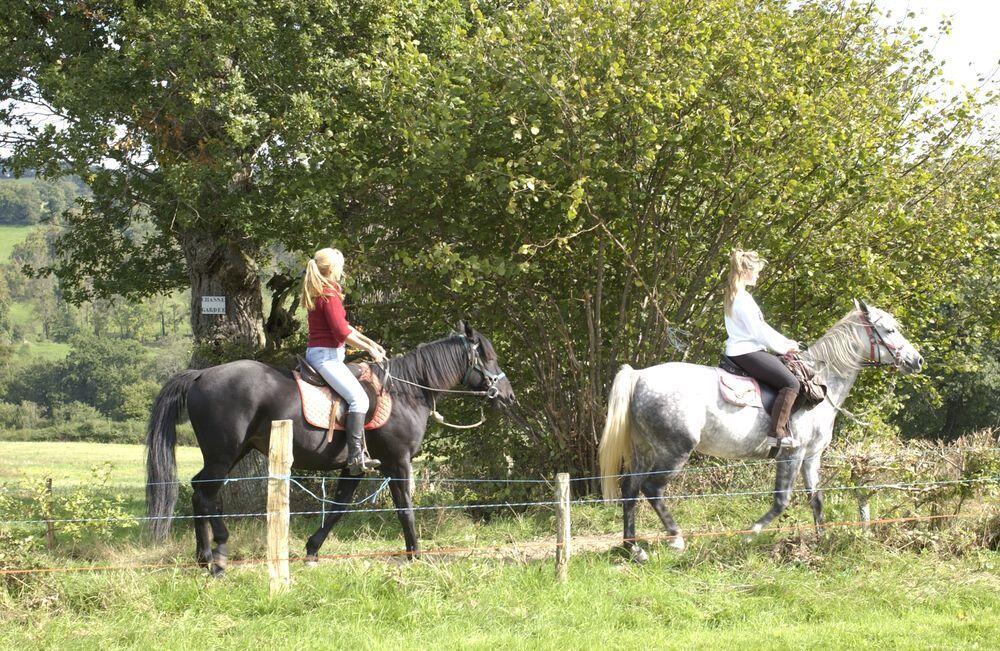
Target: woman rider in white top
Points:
(753, 345)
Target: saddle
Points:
(738, 388)
(319, 401)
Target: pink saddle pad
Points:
(739, 390)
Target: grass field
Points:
(71, 462)
(898, 588)
(11, 236)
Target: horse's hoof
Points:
(217, 571)
(754, 532)
(219, 558)
(312, 561)
(677, 543)
(638, 555)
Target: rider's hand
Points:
(377, 353)
(794, 350)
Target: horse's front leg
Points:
(810, 477)
(343, 494)
(784, 479)
(399, 488)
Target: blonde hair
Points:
(741, 265)
(323, 272)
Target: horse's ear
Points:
(863, 308)
(467, 329)
(860, 307)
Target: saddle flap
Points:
(739, 390)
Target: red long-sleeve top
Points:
(328, 326)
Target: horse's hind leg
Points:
(220, 536)
(783, 480)
(208, 521)
(630, 499)
(343, 494)
(653, 488)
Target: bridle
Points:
(874, 349)
(475, 363)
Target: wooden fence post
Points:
(279, 469)
(864, 510)
(50, 526)
(562, 526)
(863, 494)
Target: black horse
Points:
(231, 407)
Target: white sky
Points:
(973, 47)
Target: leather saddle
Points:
(319, 401)
(737, 386)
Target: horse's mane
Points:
(435, 364)
(834, 350)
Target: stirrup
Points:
(365, 464)
(788, 442)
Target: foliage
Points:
(569, 174)
(109, 374)
(98, 510)
(30, 201)
(580, 171)
(230, 125)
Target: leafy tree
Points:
(20, 204)
(101, 372)
(5, 333)
(230, 124)
(580, 171)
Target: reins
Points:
(473, 358)
(874, 360)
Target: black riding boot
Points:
(358, 462)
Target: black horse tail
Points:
(161, 463)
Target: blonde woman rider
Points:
(753, 345)
(329, 331)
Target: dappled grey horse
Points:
(659, 415)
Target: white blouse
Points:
(748, 332)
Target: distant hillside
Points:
(11, 236)
(28, 201)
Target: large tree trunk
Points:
(223, 266)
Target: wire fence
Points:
(506, 504)
(687, 470)
(368, 504)
(514, 547)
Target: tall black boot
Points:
(358, 462)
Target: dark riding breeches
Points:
(768, 369)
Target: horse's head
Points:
(882, 342)
(484, 372)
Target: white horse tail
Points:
(615, 450)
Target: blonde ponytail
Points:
(741, 265)
(324, 271)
